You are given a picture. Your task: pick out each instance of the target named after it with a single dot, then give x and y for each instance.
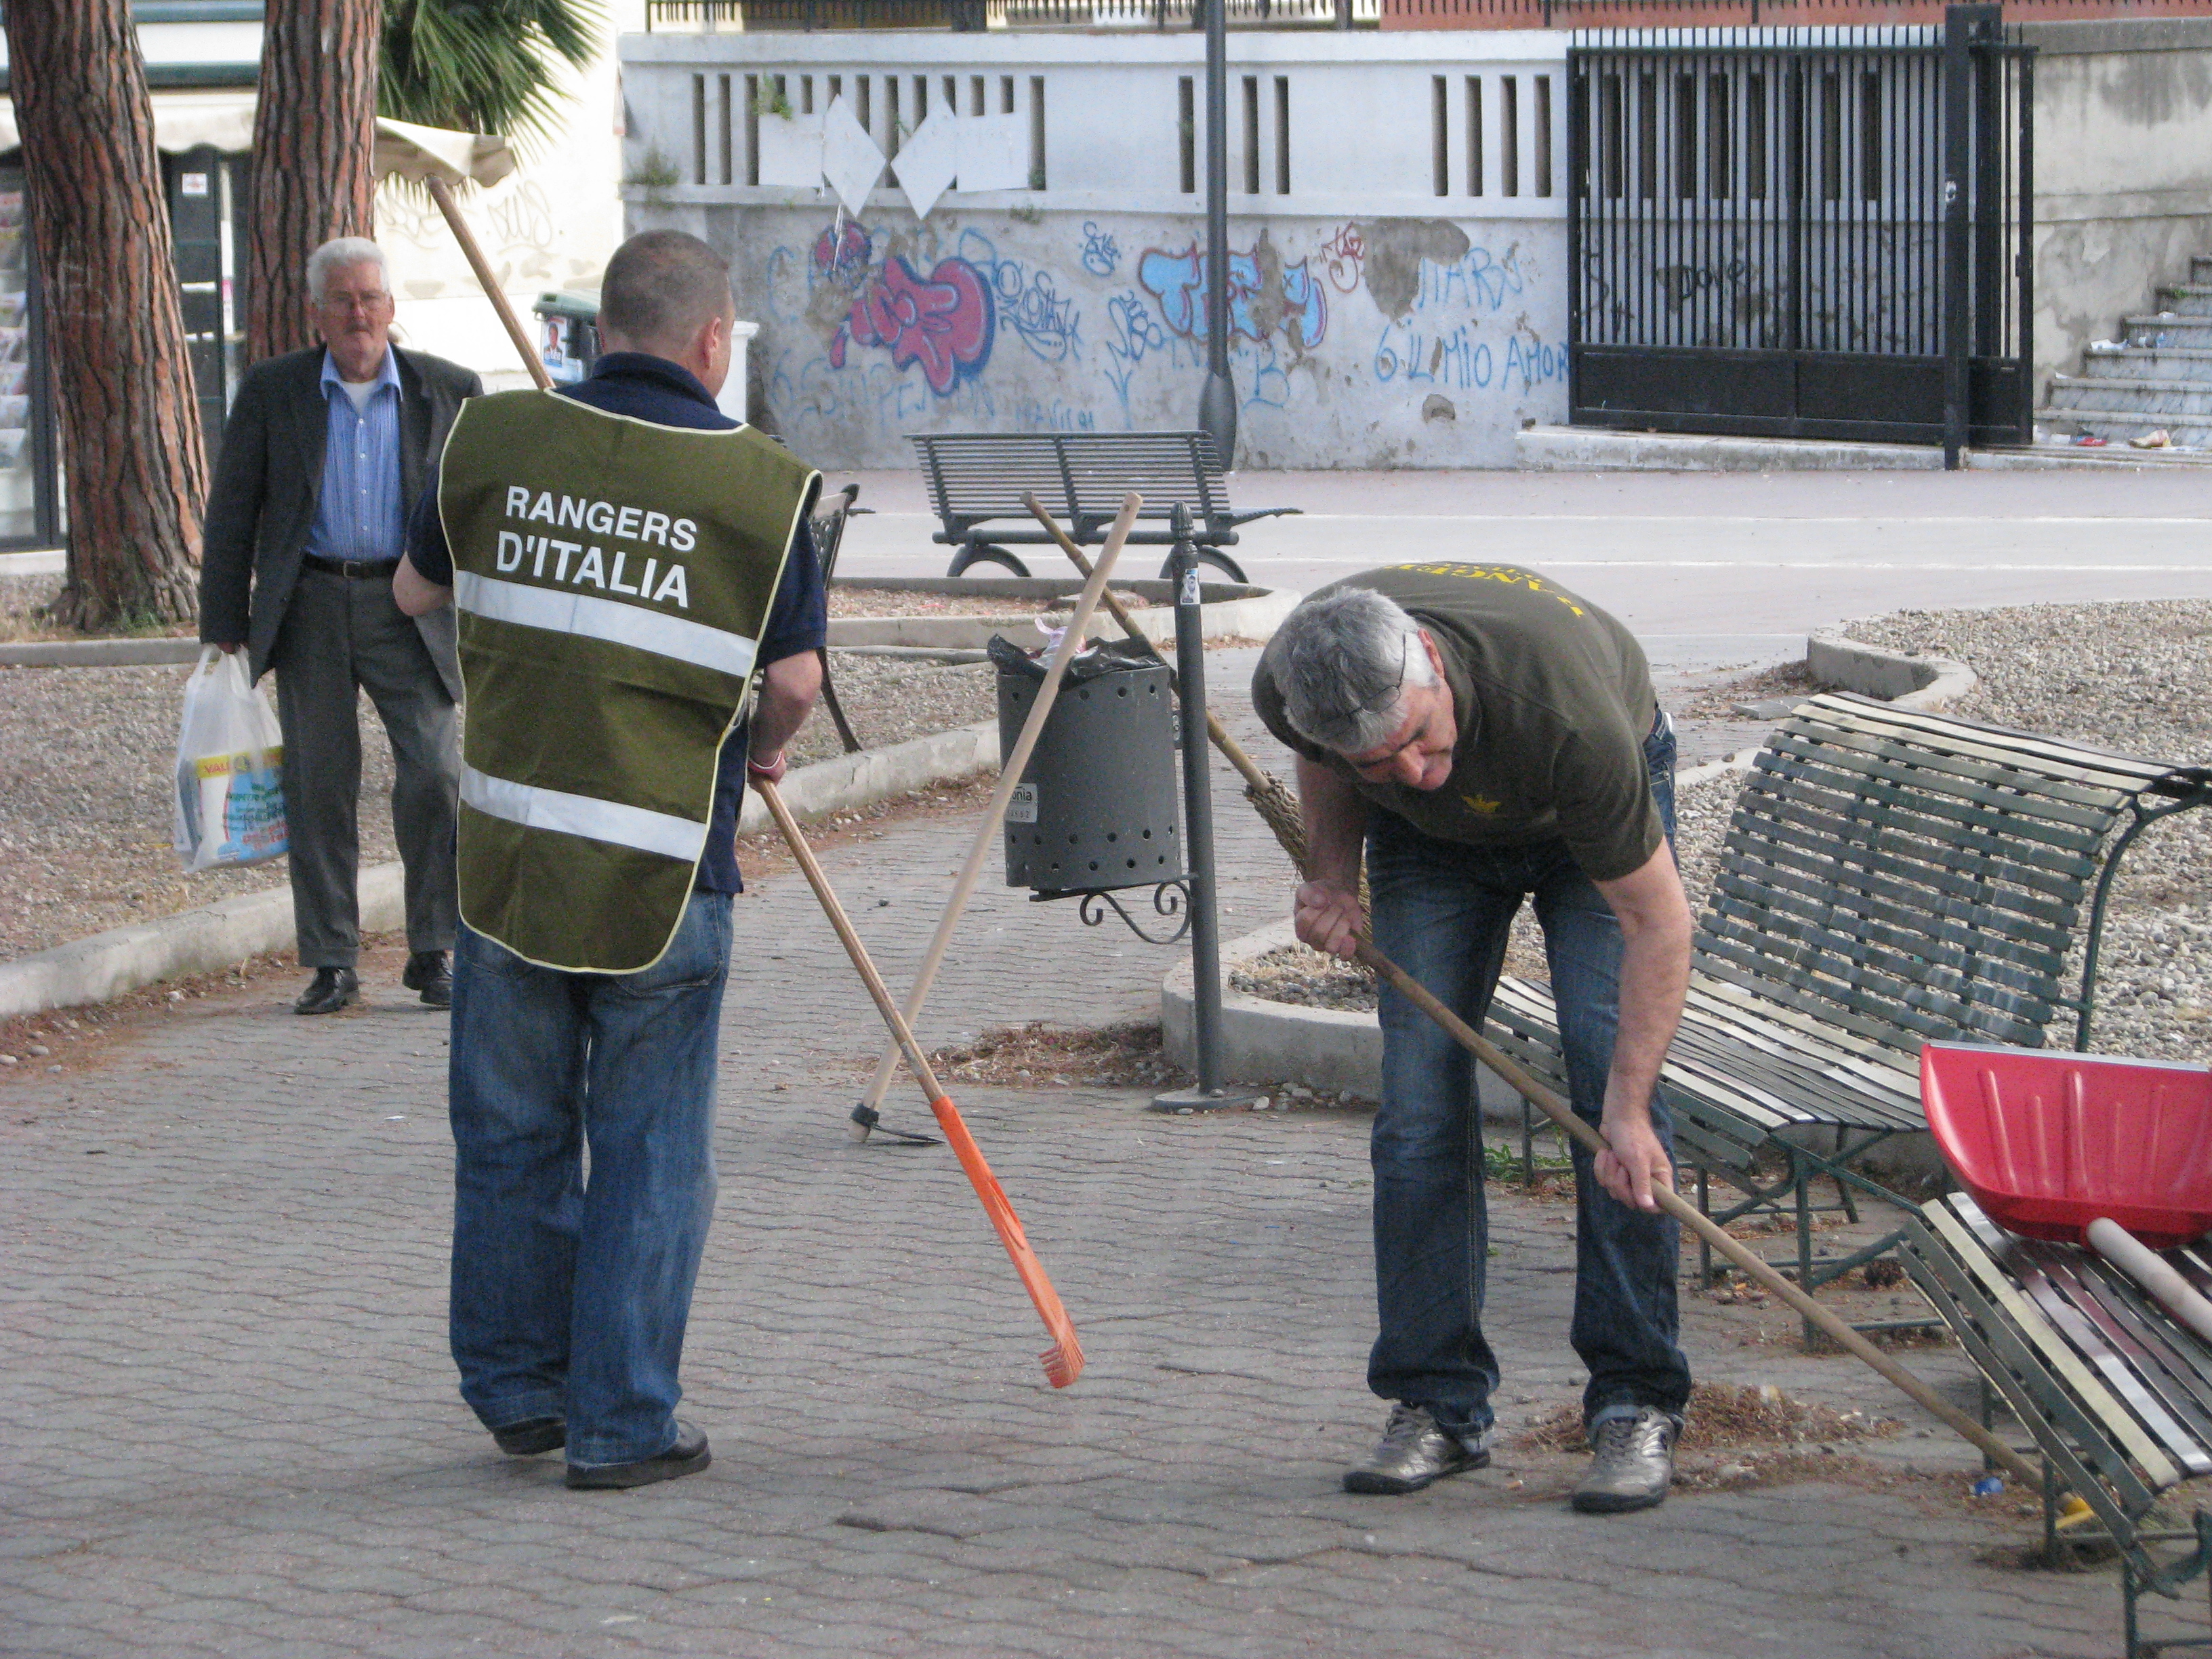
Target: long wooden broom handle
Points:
(1010, 777)
(442, 194)
(1690, 1216)
(1231, 749)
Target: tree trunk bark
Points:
(314, 128)
(136, 466)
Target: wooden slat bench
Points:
(977, 480)
(2116, 1395)
(1889, 876)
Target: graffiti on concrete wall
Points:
(944, 322)
(871, 331)
(1266, 296)
(1029, 302)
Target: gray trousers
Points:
(341, 635)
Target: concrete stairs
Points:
(2157, 378)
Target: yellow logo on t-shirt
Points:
(1511, 575)
(1481, 804)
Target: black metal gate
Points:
(1801, 233)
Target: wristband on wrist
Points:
(765, 768)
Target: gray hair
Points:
(346, 251)
(1345, 661)
(661, 287)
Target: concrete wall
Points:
(1374, 322)
(2123, 174)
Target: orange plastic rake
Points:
(1063, 1361)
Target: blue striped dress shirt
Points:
(361, 515)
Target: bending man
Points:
(622, 560)
(1488, 738)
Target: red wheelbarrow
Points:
(2048, 1141)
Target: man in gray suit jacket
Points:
(323, 457)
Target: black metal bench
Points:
(2116, 1395)
(977, 481)
(1890, 876)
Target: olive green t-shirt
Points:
(1554, 700)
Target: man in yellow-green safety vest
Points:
(627, 565)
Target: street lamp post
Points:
(1217, 404)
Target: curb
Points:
(199, 941)
(1253, 618)
(1925, 683)
(99, 653)
(213, 937)
(841, 784)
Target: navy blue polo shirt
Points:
(648, 388)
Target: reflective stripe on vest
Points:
(579, 815)
(602, 619)
(612, 578)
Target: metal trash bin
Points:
(1097, 808)
(567, 335)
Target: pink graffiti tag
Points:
(945, 321)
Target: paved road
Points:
(229, 1427)
(1709, 569)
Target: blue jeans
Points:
(568, 1299)
(1442, 911)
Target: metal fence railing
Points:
(735, 16)
(1794, 232)
(1669, 14)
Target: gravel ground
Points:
(892, 699)
(897, 602)
(85, 761)
(2135, 677)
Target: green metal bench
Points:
(2116, 1396)
(1889, 876)
(977, 481)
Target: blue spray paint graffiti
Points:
(1029, 304)
(1102, 254)
(1426, 348)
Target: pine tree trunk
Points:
(314, 129)
(136, 466)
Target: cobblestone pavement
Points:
(230, 1427)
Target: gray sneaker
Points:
(1633, 1464)
(1414, 1451)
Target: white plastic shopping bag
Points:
(230, 780)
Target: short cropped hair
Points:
(335, 255)
(1344, 662)
(662, 287)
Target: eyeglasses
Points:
(374, 300)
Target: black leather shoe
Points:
(331, 989)
(687, 1456)
(426, 972)
(531, 1435)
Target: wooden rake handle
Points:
(1063, 1361)
(1010, 776)
(1690, 1216)
(442, 194)
(1231, 749)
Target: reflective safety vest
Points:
(611, 577)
